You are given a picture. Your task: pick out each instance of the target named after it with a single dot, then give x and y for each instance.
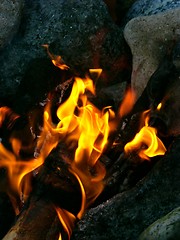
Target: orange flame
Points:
(56, 59)
(6, 112)
(85, 130)
(17, 170)
(146, 142)
(67, 220)
(84, 127)
(96, 72)
(127, 103)
(82, 124)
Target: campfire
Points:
(77, 148)
(79, 134)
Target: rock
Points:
(149, 38)
(149, 7)
(164, 228)
(86, 37)
(10, 14)
(126, 215)
(89, 39)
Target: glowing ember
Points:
(146, 142)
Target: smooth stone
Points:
(149, 38)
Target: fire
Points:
(84, 127)
(17, 170)
(56, 59)
(127, 103)
(95, 72)
(67, 220)
(146, 142)
(85, 130)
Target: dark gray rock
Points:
(81, 31)
(126, 215)
(10, 14)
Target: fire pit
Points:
(85, 157)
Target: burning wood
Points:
(84, 129)
(86, 132)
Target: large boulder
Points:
(10, 15)
(82, 32)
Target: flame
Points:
(85, 130)
(56, 59)
(127, 103)
(159, 106)
(67, 220)
(17, 170)
(84, 125)
(146, 142)
(7, 114)
(95, 72)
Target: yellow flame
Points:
(85, 130)
(159, 106)
(67, 220)
(96, 72)
(146, 142)
(60, 237)
(85, 127)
